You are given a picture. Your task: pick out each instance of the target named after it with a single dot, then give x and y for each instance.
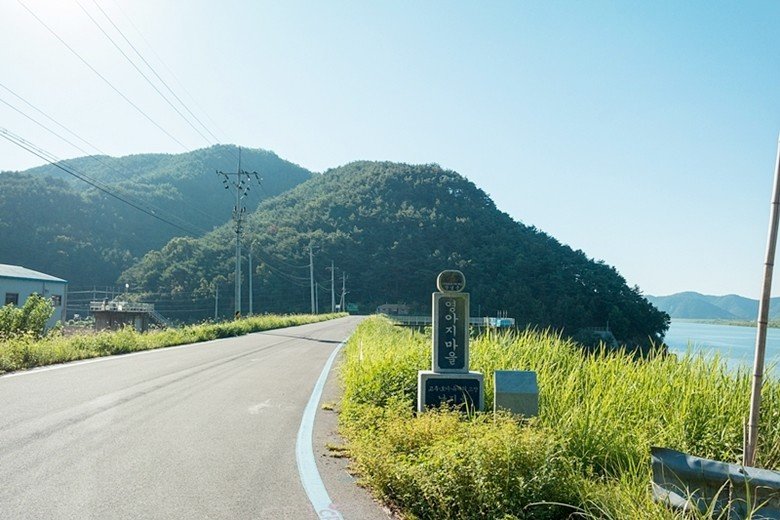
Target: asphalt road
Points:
(200, 431)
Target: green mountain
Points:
(53, 222)
(391, 228)
(692, 305)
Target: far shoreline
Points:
(732, 323)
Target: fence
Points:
(691, 483)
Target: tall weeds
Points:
(599, 415)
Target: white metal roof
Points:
(22, 273)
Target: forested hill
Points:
(53, 222)
(392, 228)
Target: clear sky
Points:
(643, 133)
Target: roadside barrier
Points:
(692, 483)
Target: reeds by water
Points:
(588, 449)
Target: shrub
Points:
(29, 319)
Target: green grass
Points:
(23, 352)
(589, 448)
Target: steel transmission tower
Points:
(239, 182)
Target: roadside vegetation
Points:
(23, 344)
(588, 453)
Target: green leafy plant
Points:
(30, 319)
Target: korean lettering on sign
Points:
(452, 330)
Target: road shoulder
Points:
(351, 500)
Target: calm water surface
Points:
(736, 345)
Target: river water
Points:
(736, 345)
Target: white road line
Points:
(304, 454)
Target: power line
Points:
(152, 207)
(173, 75)
(154, 71)
(51, 159)
(99, 160)
(47, 116)
(93, 69)
(160, 78)
(85, 152)
(137, 68)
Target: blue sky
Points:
(644, 134)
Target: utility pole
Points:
(251, 310)
(311, 275)
(316, 298)
(241, 187)
(216, 302)
(332, 287)
(343, 291)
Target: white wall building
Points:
(17, 283)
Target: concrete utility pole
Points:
(332, 287)
(216, 302)
(343, 291)
(241, 187)
(311, 275)
(251, 310)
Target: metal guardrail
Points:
(692, 483)
(119, 306)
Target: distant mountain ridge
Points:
(696, 306)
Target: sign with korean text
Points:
(450, 332)
(454, 390)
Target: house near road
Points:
(18, 283)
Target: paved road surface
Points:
(201, 431)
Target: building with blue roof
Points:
(18, 283)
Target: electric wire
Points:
(138, 69)
(99, 160)
(149, 66)
(146, 62)
(93, 69)
(105, 187)
(79, 175)
(165, 65)
(47, 116)
(49, 158)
